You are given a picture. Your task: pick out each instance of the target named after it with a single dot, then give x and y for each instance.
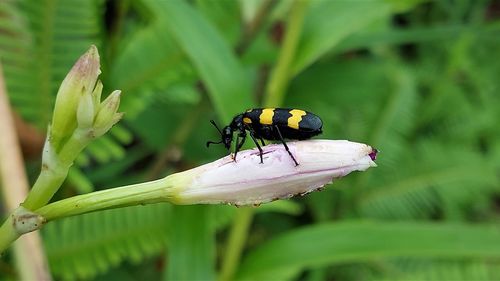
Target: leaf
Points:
(361, 241)
(212, 58)
(435, 269)
(328, 22)
(398, 36)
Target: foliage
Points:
(418, 80)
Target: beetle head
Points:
(226, 136)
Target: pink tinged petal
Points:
(247, 181)
(79, 81)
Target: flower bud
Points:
(248, 181)
(96, 94)
(107, 115)
(79, 81)
(85, 112)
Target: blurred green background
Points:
(419, 80)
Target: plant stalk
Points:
(55, 169)
(162, 190)
(237, 239)
(282, 73)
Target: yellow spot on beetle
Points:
(294, 120)
(247, 120)
(266, 117)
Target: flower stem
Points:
(162, 190)
(282, 72)
(237, 238)
(7, 234)
(55, 169)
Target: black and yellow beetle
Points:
(270, 124)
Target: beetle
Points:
(269, 124)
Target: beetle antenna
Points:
(220, 132)
(215, 125)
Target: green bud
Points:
(85, 112)
(79, 81)
(107, 115)
(96, 94)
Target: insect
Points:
(269, 124)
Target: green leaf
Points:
(191, 255)
(329, 22)
(417, 269)
(361, 241)
(397, 36)
(213, 59)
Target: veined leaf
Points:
(360, 241)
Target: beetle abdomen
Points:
(293, 123)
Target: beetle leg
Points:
(262, 141)
(286, 146)
(239, 144)
(258, 146)
(235, 147)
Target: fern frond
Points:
(42, 41)
(16, 53)
(84, 246)
(61, 31)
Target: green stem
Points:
(237, 238)
(282, 73)
(55, 169)
(162, 190)
(7, 234)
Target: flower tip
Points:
(92, 51)
(373, 154)
(117, 93)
